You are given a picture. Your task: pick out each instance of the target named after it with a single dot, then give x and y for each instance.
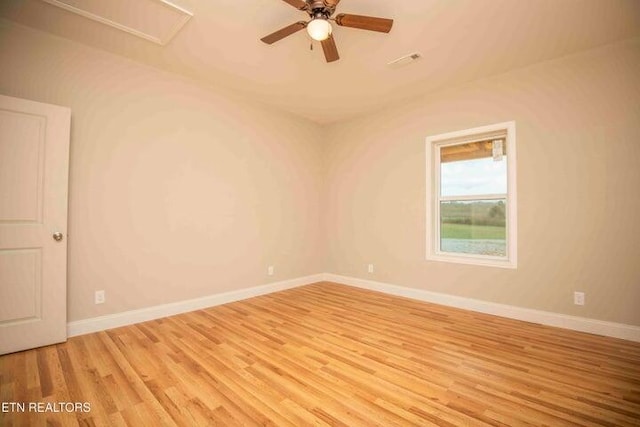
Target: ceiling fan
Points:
(319, 28)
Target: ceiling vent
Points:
(155, 20)
(405, 60)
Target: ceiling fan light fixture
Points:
(319, 29)
(320, 12)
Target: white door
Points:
(34, 170)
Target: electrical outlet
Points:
(99, 297)
(370, 268)
(270, 270)
(578, 298)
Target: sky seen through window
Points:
(473, 177)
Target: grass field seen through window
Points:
(464, 231)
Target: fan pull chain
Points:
(311, 46)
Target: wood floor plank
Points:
(330, 355)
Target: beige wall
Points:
(578, 149)
(176, 191)
(179, 191)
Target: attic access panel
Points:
(157, 21)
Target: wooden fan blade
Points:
(330, 49)
(370, 23)
(298, 4)
(331, 3)
(284, 32)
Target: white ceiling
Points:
(460, 40)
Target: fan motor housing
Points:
(318, 9)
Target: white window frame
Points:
(433, 144)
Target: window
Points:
(471, 196)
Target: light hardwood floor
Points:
(327, 354)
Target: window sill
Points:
(471, 260)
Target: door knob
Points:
(57, 236)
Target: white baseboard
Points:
(116, 320)
(582, 324)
